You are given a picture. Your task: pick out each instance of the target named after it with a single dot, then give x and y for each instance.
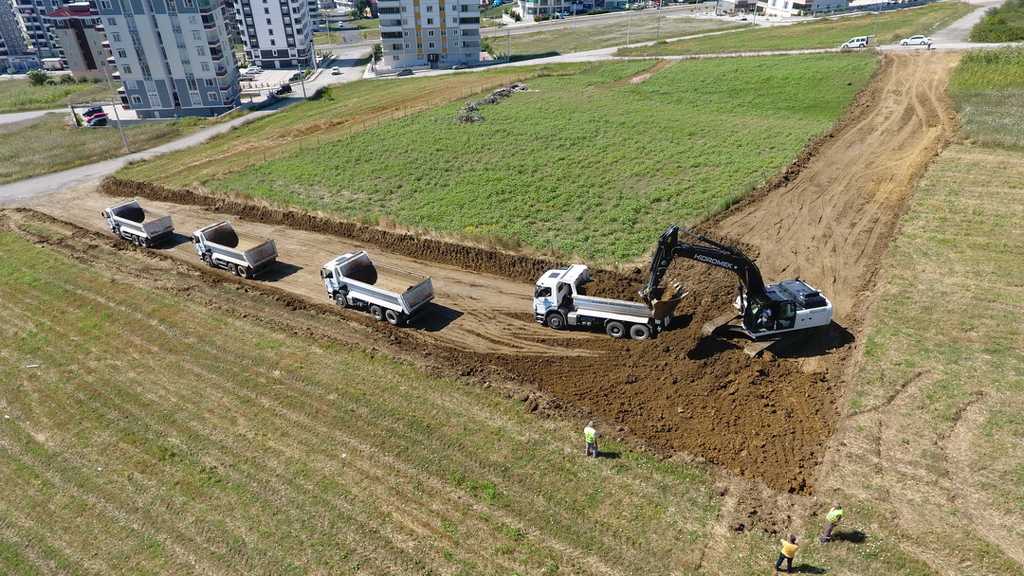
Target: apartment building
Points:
(435, 33)
(77, 31)
(12, 41)
(172, 55)
(785, 8)
(276, 33)
(32, 15)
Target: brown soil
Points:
(829, 219)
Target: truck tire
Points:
(639, 331)
(555, 321)
(209, 260)
(393, 318)
(243, 271)
(232, 269)
(615, 329)
(377, 312)
(341, 299)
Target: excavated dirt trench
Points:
(767, 419)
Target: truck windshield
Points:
(542, 292)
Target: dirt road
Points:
(833, 222)
(767, 419)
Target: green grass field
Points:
(590, 164)
(988, 88)
(48, 144)
(640, 27)
(143, 431)
(21, 95)
(1002, 24)
(886, 27)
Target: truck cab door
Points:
(197, 244)
(328, 278)
(542, 300)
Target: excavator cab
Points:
(769, 315)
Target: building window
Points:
(115, 36)
(104, 4)
(430, 8)
(205, 66)
(121, 53)
(196, 35)
(201, 50)
(192, 19)
(208, 82)
(188, 3)
(136, 100)
(268, 24)
(273, 42)
(394, 58)
(266, 10)
(213, 96)
(112, 21)
(430, 45)
(430, 33)
(430, 21)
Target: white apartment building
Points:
(37, 30)
(173, 56)
(74, 29)
(435, 33)
(12, 41)
(276, 33)
(784, 8)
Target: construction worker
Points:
(786, 553)
(833, 517)
(590, 435)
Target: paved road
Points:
(57, 181)
(12, 117)
(957, 32)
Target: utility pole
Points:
(303, 74)
(657, 37)
(117, 117)
(629, 23)
(508, 45)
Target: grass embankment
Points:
(579, 36)
(368, 29)
(146, 432)
(21, 95)
(589, 164)
(988, 88)
(886, 27)
(48, 144)
(1002, 24)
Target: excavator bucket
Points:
(666, 306)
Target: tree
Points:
(37, 77)
(378, 53)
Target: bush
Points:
(67, 79)
(37, 77)
(1003, 24)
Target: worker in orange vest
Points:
(786, 553)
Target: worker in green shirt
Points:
(833, 517)
(590, 435)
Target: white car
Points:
(253, 70)
(854, 43)
(918, 40)
(335, 71)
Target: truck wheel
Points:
(393, 318)
(615, 329)
(341, 300)
(556, 321)
(243, 271)
(232, 269)
(377, 312)
(639, 331)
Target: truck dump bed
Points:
(131, 216)
(389, 285)
(223, 238)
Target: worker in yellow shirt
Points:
(590, 436)
(786, 553)
(833, 517)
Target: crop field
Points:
(48, 144)
(154, 421)
(988, 88)
(886, 27)
(568, 166)
(21, 95)
(641, 27)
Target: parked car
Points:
(97, 121)
(283, 89)
(92, 111)
(335, 71)
(405, 72)
(854, 43)
(459, 67)
(245, 77)
(253, 70)
(918, 40)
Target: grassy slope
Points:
(122, 453)
(1002, 24)
(643, 27)
(988, 89)
(340, 113)
(48, 144)
(20, 95)
(590, 164)
(829, 33)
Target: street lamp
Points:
(117, 117)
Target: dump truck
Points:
(129, 221)
(220, 246)
(353, 281)
(560, 302)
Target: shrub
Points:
(1002, 24)
(37, 77)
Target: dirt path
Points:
(833, 222)
(472, 311)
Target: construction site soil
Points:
(766, 419)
